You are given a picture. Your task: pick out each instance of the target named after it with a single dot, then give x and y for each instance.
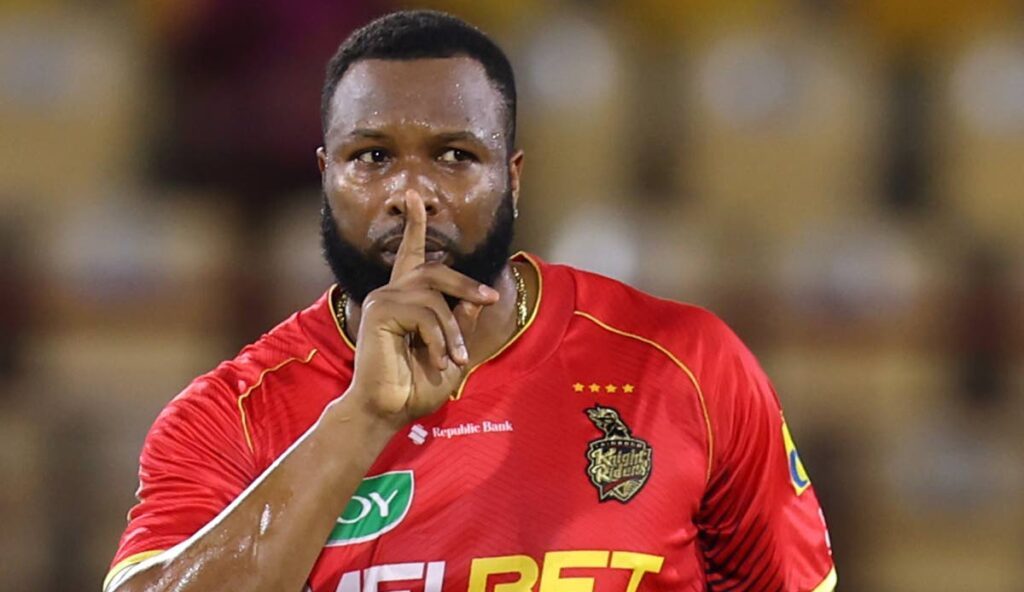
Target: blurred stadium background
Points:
(843, 182)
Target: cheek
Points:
(477, 204)
(353, 205)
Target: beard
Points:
(358, 273)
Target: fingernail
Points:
(488, 292)
(463, 352)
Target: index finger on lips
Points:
(412, 252)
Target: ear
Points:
(321, 160)
(515, 173)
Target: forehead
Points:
(436, 93)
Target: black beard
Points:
(359, 274)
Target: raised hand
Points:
(411, 350)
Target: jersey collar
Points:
(534, 343)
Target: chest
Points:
(572, 470)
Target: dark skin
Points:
(421, 144)
(412, 145)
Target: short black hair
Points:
(419, 34)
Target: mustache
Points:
(361, 270)
(395, 234)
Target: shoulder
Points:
(220, 388)
(677, 326)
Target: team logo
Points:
(797, 473)
(379, 504)
(620, 463)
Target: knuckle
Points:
(374, 299)
(370, 302)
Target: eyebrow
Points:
(460, 136)
(362, 132)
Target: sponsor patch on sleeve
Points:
(797, 474)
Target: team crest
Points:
(620, 463)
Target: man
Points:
(447, 418)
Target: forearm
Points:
(270, 536)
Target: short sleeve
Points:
(761, 527)
(194, 462)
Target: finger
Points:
(421, 323)
(454, 342)
(412, 251)
(446, 280)
(432, 335)
(466, 315)
(433, 375)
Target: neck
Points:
(496, 324)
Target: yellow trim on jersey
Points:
(259, 381)
(682, 366)
(128, 562)
(529, 322)
(829, 583)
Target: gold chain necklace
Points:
(522, 311)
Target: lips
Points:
(389, 257)
(436, 248)
(433, 245)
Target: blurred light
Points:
(988, 87)
(570, 63)
(51, 66)
(745, 80)
(599, 239)
(110, 250)
(862, 271)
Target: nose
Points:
(396, 204)
(425, 187)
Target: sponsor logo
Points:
(418, 434)
(797, 473)
(471, 429)
(551, 573)
(379, 504)
(620, 463)
(431, 575)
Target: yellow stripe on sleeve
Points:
(829, 583)
(128, 562)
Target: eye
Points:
(371, 156)
(453, 155)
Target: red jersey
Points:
(619, 442)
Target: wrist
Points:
(353, 420)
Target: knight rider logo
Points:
(620, 463)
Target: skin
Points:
(435, 127)
(420, 117)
